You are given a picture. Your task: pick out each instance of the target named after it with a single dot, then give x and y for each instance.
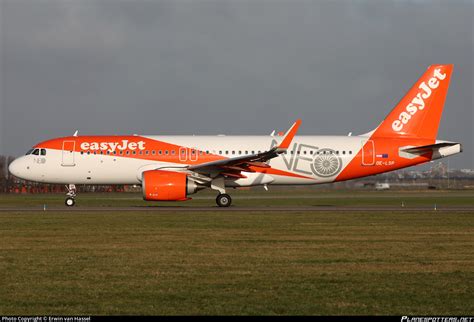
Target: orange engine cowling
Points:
(167, 185)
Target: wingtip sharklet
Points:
(289, 135)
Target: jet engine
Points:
(167, 185)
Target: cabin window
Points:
(350, 152)
(253, 152)
(82, 152)
(220, 152)
(226, 152)
(121, 152)
(147, 152)
(159, 152)
(207, 152)
(153, 152)
(173, 152)
(128, 152)
(246, 152)
(88, 152)
(233, 152)
(166, 152)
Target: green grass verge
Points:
(236, 263)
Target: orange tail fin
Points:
(418, 114)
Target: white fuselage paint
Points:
(115, 169)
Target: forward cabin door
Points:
(368, 153)
(68, 154)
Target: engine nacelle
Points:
(167, 185)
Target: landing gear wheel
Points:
(70, 202)
(223, 200)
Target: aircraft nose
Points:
(15, 168)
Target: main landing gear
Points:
(223, 200)
(71, 195)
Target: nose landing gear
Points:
(71, 195)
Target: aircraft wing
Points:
(233, 167)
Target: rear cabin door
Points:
(68, 154)
(368, 153)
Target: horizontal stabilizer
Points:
(437, 150)
(428, 148)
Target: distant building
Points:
(382, 186)
(439, 170)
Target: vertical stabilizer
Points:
(418, 114)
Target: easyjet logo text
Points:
(112, 146)
(418, 102)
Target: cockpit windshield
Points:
(36, 152)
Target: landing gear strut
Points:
(71, 195)
(223, 200)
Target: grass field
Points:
(217, 262)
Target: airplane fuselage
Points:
(123, 159)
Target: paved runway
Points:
(187, 209)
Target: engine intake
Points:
(167, 185)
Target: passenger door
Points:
(68, 154)
(368, 153)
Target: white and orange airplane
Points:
(170, 168)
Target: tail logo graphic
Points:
(418, 102)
